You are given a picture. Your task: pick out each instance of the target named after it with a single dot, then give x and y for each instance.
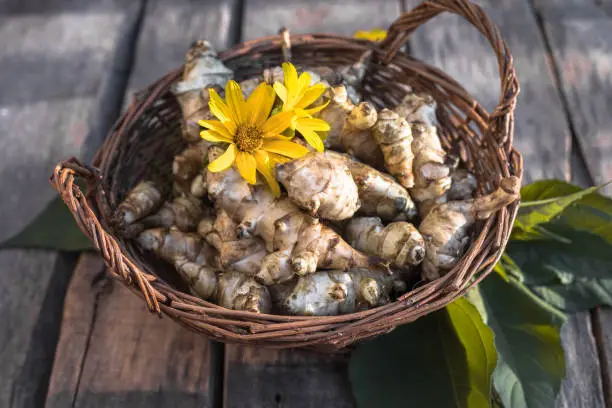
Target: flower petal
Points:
(317, 108)
(219, 108)
(311, 95)
(260, 103)
(235, 101)
(224, 161)
(303, 84)
(245, 162)
(215, 137)
(277, 158)
(264, 167)
(312, 123)
(291, 79)
(277, 123)
(218, 127)
(285, 148)
(281, 91)
(311, 137)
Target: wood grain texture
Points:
(264, 17)
(170, 27)
(113, 353)
(55, 69)
(117, 354)
(582, 47)
(290, 378)
(285, 378)
(542, 135)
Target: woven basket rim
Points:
(324, 333)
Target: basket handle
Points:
(63, 180)
(501, 121)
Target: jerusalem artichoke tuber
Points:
(431, 173)
(321, 185)
(240, 292)
(203, 69)
(445, 228)
(463, 186)
(187, 165)
(243, 255)
(326, 293)
(297, 242)
(183, 212)
(394, 136)
(399, 242)
(142, 200)
(192, 258)
(379, 194)
(351, 127)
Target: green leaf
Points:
(572, 277)
(441, 360)
(54, 228)
(544, 201)
(530, 364)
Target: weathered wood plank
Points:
(119, 354)
(582, 48)
(285, 378)
(263, 18)
(275, 378)
(542, 134)
(113, 353)
(169, 29)
(54, 68)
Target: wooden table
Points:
(70, 336)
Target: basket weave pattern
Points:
(145, 139)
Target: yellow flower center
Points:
(248, 138)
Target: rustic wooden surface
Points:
(136, 359)
(57, 67)
(82, 59)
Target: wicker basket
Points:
(146, 138)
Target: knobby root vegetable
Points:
(445, 229)
(379, 194)
(463, 187)
(394, 136)
(171, 244)
(321, 185)
(202, 279)
(144, 199)
(203, 69)
(351, 127)
(183, 212)
(240, 292)
(431, 173)
(244, 255)
(191, 257)
(326, 293)
(187, 165)
(399, 242)
(297, 242)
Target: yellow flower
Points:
(375, 35)
(297, 95)
(251, 132)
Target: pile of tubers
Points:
(380, 209)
